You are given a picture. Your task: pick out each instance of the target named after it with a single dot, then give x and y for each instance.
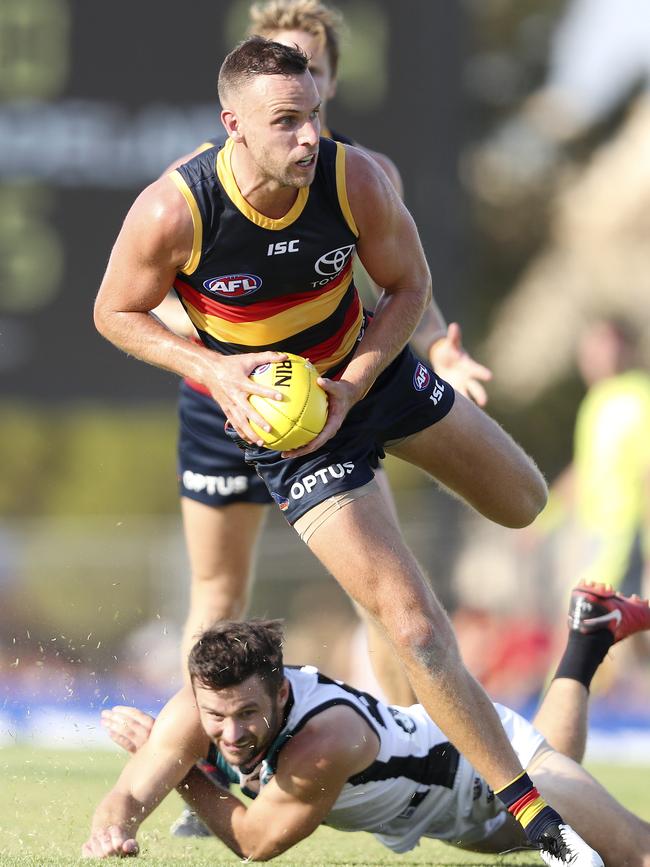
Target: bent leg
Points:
(469, 453)
(362, 547)
(563, 717)
(221, 546)
(620, 837)
(386, 666)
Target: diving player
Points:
(310, 750)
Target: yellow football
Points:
(301, 414)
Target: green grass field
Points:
(47, 798)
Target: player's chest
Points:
(246, 263)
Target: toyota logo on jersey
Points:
(335, 261)
(233, 285)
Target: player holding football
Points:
(312, 750)
(223, 500)
(213, 218)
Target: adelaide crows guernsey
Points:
(254, 283)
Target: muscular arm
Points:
(153, 245)
(389, 248)
(176, 742)
(442, 347)
(312, 769)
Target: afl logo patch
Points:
(334, 262)
(421, 377)
(233, 285)
(262, 368)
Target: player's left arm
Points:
(389, 248)
(445, 351)
(312, 770)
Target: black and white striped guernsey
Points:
(412, 788)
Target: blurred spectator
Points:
(596, 256)
(605, 492)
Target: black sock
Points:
(583, 655)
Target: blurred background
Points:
(522, 132)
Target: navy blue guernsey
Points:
(254, 283)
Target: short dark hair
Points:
(231, 651)
(258, 56)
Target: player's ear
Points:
(231, 122)
(283, 693)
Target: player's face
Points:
(319, 62)
(277, 117)
(241, 720)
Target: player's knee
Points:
(427, 642)
(219, 597)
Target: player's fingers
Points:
(455, 335)
(476, 391)
(262, 390)
(240, 422)
(135, 714)
(130, 847)
(479, 371)
(252, 415)
(117, 836)
(127, 742)
(86, 850)
(267, 357)
(327, 433)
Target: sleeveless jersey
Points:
(254, 283)
(413, 787)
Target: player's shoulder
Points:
(336, 736)
(372, 196)
(158, 213)
(179, 722)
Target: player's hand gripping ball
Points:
(301, 414)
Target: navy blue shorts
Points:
(211, 468)
(405, 399)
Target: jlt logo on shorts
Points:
(324, 476)
(223, 485)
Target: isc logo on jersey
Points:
(233, 285)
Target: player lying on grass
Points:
(310, 750)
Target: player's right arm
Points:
(176, 742)
(154, 244)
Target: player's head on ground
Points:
(313, 27)
(270, 110)
(236, 671)
(608, 345)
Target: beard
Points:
(250, 767)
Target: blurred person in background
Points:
(594, 255)
(223, 500)
(606, 488)
(331, 754)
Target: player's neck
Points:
(267, 195)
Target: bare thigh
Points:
(469, 453)
(620, 837)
